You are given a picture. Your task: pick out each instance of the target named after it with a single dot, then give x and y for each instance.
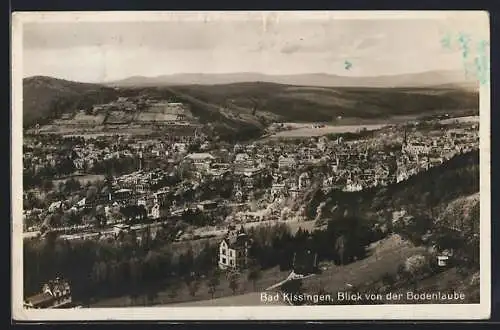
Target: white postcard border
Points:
(356, 312)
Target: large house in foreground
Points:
(54, 294)
(233, 250)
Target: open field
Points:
(95, 131)
(82, 118)
(154, 117)
(306, 130)
(385, 258)
(202, 297)
(119, 117)
(467, 119)
(351, 125)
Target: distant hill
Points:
(424, 79)
(46, 98)
(246, 108)
(309, 103)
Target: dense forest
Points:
(130, 266)
(98, 268)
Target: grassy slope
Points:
(457, 214)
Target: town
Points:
(95, 187)
(193, 186)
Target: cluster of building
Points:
(39, 154)
(264, 171)
(236, 176)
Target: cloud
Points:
(171, 35)
(91, 51)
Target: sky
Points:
(103, 50)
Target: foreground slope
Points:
(441, 217)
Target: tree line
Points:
(127, 265)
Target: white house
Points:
(160, 196)
(79, 163)
(416, 148)
(141, 201)
(157, 211)
(233, 250)
(304, 180)
(180, 147)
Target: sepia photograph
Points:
(250, 165)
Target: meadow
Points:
(306, 130)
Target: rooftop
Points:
(200, 156)
(123, 190)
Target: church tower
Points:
(405, 141)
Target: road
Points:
(290, 277)
(201, 232)
(33, 234)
